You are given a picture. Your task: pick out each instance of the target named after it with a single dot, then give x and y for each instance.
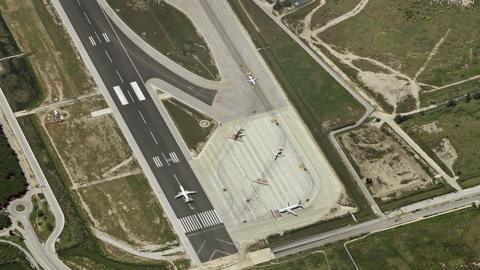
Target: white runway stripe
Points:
(190, 223)
(137, 91)
(199, 221)
(105, 36)
(209, 218)
(120, 95)
(157, 161)
(174, 157)
(92, 41)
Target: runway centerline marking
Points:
(86, 17)
(118, 74)
(98, 37)
(153, 136)
(167, 160)
(109, 58)
(141, 115)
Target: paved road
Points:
(122, 67)
(46, 257)
(405, 215)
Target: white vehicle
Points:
(185, 194)
(291, 208)
(251, 79)
(278, 154)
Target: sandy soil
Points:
(379, 156)
(447, 153)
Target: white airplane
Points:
(291, 208)
(251, 79)
(185, 194)
(278, 154)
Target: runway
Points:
(124, 69)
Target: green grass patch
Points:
(17, 80)
(428, 98)
(461, 126)
(5, 221)
(11, 258)
(433, 190)
(322, 103)
(332, 10)
(450, 241)
(13, 183)
(187, 121)
(41, 218)
(169, 31)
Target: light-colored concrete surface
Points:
(236, 262)
(234, 54)
(160, 255)
(227, 170)
(346, 83)
(45, 256)
(101, 112)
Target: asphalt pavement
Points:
(123, 69)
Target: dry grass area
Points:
(97, 142)
(127, 210)
(380, 156)
(400, 52)
(40, 34)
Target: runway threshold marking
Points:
(173, 157)
(120, 95)
(157, 161)
(92, 41)
(137, 90)
(200, 220)
(105, 36)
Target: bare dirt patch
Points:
(447, 153)
(127, 210)
(385, 165)
(97, 142)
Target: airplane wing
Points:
(190, 192)
(178, 195)
(291, 212)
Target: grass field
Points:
(405, 32)
(12, 258)
(187, 121)
(461, 126)
(170, 32)
(41, 218)
(331, 10)
(39, 34)
(12, 180)
(97, 142)
(126, 209)
(451, 241)
(16, 77)
(321, 102)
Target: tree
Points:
(451, 103)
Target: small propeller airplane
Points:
(291, 208)
(278, 154)
(237, 136)
(185, 194)
(251, 79)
